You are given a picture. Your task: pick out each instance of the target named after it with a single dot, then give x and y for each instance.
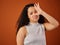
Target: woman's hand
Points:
(38, 9)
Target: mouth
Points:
(35, 17)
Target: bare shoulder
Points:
(21, 35)
(22, 30)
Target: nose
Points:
(35, 14)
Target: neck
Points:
(34, 22)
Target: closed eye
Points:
(35, 11)
(31, 13)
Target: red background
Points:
(10, 11)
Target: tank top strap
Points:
(42, 27)
(27, 29)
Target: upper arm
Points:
(49, 26)
(20, 36)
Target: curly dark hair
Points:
(24, 20)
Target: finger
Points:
(35, 7)
(36, 4)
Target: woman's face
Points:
(32, 14)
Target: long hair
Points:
(24, 20)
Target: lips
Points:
(35, 16)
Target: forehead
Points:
(30, 9)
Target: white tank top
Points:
(35, 34)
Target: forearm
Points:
(50, 18)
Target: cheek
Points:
(30, 17)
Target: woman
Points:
(31, 25)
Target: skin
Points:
(33, 15)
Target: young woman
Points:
(32, 26)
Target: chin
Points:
(35, 20)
